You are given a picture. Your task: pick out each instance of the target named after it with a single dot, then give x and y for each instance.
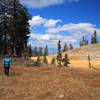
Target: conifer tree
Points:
(80, 43)
(94, 38)
(40, 51)
(14, 26)
(66, 60)
(70, 46)
(35, 51)
(30, 50)
(59, 55)
(38, 61)
(65, 47)
(45, 61)
(46, 50)
(83, 42)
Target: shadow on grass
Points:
(14, 74)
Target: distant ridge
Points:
(80, 53)
(92, 50)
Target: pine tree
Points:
(38, 61)
(45, 61)
(59, 55)
(40, 51)
(46, 50)
(59, 46)
(80, 44)
(83, 42)
(30, 50)
(35, 51)
(66, 60)
(87, 42)
(65, 47)
(94, 38)
(14, 26)
(70, 46)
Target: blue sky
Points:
(67, 20)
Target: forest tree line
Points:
(14, 28)
(59, 59)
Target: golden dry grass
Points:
(50, 83)
(76, 82)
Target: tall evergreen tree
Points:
(38, 61)
(65, 47)
(46, 50)
(71, 46)
(94, 38)
(14, 26)
(45, 61)
(83, 42)
(66, 60)
(30, 50)
(35, 51)
(59, 55)
(40, 51)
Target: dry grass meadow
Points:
(50, 83)
(76, 82)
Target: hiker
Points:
(6, 64)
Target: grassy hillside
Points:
(92, 50)
(80, 55)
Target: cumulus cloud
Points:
(74, 28)
(54, 31)
(53, 38)
(51, 23)
(38, 20)
(76, 31)
(36, 4)
(41, 3)
(39, 36)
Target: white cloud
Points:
(73, 0)
(36, 4)
(54, 31)
(38, 20)
(74, 28)
(39, 36)
(51, 23)
(41, 3)
(88, 27)
(52, 37)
